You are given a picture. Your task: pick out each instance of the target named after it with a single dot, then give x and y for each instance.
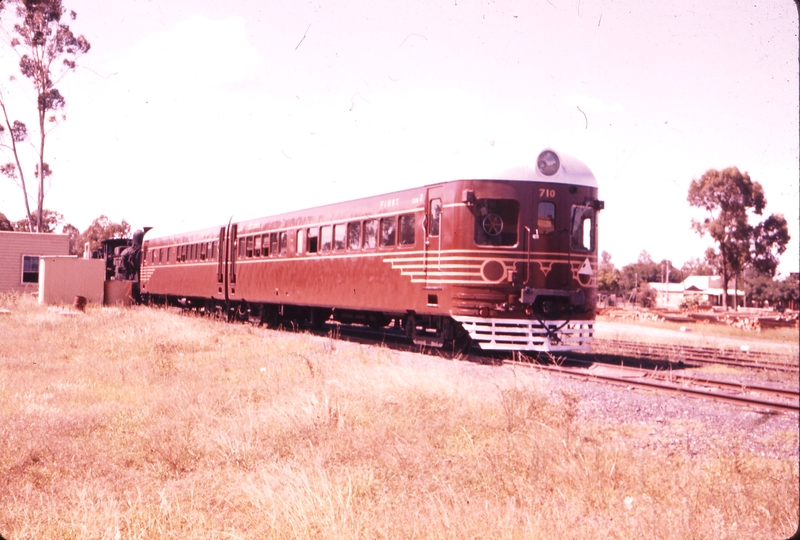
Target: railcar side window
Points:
(242, 245)
(301, 247)
(249, 249)
(312, 240)
(496, 222)
(284, 240)
(582, 228)
(169, 254)
(370, 233)
(407, 230)
(354, 235)
(265, 245)
(325, 238)
(436, 217)
(213, 251)
(388, 231)
(273, 243)
(546, 218)
(339, 232)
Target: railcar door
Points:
(231, 261)
(222, 287)
(432, 246)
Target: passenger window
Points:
(213, 251)
(169, 254)
(339, 232)
(273, 243)
(370, 234)
(546, 218)
(582, 228)
(249, 251)
(496, 222)
(388, 231)
(436, 216)
(300, 244)
(242, 245)
(265, 245)
(407, 230)
(312, 240)
(284, 237)
(354, 235)
(257, 246)
(325, 238)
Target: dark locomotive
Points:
(507, 263)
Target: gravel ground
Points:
(683, 422)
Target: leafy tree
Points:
(47, 50)
(769, 242)
(644, 270)
(762, 290)
(5, 224)
(50, 221)
(75, 247)
(727, 196)
(607, 275)
(101, 229)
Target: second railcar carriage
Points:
(507, 262)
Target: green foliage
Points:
(47, 50)
(5, 224)
(608, 276)
(646, 270)
(101, 229)
(763, 290)
(75, 246)
(49, 223)
(769, 242)
(728, 197)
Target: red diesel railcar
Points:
(508, 263)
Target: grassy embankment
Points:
(147, 424)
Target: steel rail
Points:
(740, 400)
(704, 355)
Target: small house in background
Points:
(19, 258)
(698, 290)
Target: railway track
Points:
(770, 398)
(698, 355)
(762, 397)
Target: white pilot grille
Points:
(526, 335)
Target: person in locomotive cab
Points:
(132, 257)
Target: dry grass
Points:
(147, 424)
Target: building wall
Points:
(13, 245)
(61, 279)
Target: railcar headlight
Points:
(548, 163)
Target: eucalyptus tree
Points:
(47, 50)
(729, 197)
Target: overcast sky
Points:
(185, 113)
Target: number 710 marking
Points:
(547, 192)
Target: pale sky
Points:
(187, 113)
